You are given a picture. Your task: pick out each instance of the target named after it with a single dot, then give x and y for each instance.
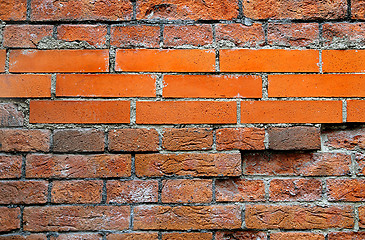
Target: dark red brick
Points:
(24, 140)
(78, 140)
(294, 138)
(23, 192)
(10, 116)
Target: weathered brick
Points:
(78, 140)
(187, 236)
(346, 190)
(343, 35)
(295, 190)
(25, 36)
(234, 34)
(133, 191)
(23, 192)
(355, 111)
(239, 190)
(10, 166)
(9, 219)
(240, 235)
(187, 139)
(25, 86)
(186, 191)
(219, 164)
(343, 60)
(187, 35)
(362, 217)
(2, 60)
(77, 236)
(346, 235)
(133, 140)
(10, 116)
(357, 9)
(293, 35)
(78, 166)
(133, 236)
(350, 139)
(24, 140)
(240, 138)
(76, 218)
(24, 237)
(95, 35)
(13, 10)
(187, 217)
(135, 36)
(360, 161)
(296, 236)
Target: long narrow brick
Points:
(10, 166)
(268, 60)
(23, 192)
(291, 112)
(176, 60)
(355, 111)
(186, 112)
(24, 140)
(343, 60)
(59, 61)
(9, 219)
(25, 86)
(346, 190)
(79, 112)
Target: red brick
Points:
(240, 138)
(133, 191)
(187, 139)
(163, 60)
(343, 60)
(78, 166)
(346, 235)
(24, 140)
(10, 166)
(113, 10)
(2, 60)
(76, 218)
(297, 164)
(25, 86)
(25, 36)
(343, 35)
(79, 112)
(294, 138)
(23, 192)
(346, 190)
(218, 164)
(187, 10)
(293, 34)
(212, 86)
(78, 140)
(240, 35)
(268, 60)
(230, 235)
(305, 10)
(358, 9)
(86, 191)
(77, 236)
(133, 236)
(362, 217)
(295, 190)
(186, 191)
(298, 217)
(9, 219)
(190, 35)
(350, 139)
(239, 190)
(296, 236)
(291, 112)
(13, 10)
(24, 237)
(10, 116)
(355, 111)
(187, 217)
(95, 35)
(187, 236)
(59, 61)
(133, 140)
(135, 36)
(186, 112)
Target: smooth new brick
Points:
(10, 116)
(298, 217)
(186, 112)
(219, 164)
(346, 235)
(187, 236)
(240, 190)
(187, 10)
(23, 192)
(24, 237)
(133, 236)
(240, 138)
(358, 9)
(79, 112)
(240, 35)
(343, 35)
(71, 10)
(25, 86)
(78, 140)
(24, 140)
(294, 138)
(268, 60)
(77, 236)
(296, 236)
(174, 60)
(350, 139)
(187, 139)
(78, 166)
(186, 191)
(187, 217)
(187, 35)
(133, 191)
(59, 61)
(295, 190)
(94, 35)
(227, 235)
(291, 112)
(9, 219)
(133, 140)
(343, 60)
(76, 218)
(86, 191)
(346, 190)
(2, 60)
(25, 36)
(355, 111)
(135, 36)
(13, 10)
(10, 166)
(212, 86)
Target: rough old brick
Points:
(133, 140)
(25, 36)
(23, 192)
(360, 161)
(10, 116)
(25, 86)
(362, 217)
(346, 235)
(187, 236)
(77, 236)
(13, 10)
(343, 35)
(187, 35)
(295, 190)
(95, 35)
(346, 190)
(187, 139)
(24, 140)
(135, 36)
(230, 35)
(350, 139)
(9, 219)
(227, 235)
(24, 237)
(296, 236)
(240, 190)
(78, 140)
(10, 166)
(133, 236)
(240, 138)
(133, 191)
(358, 9)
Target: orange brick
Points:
(95, 35)
(355, 111)
(25, 86)
(186, 112)
(135, 36)
(2, 60)
(132, 191)
(59, 61)
(291, 112)
(187, 236)
(268, 60)
(357, 9)
(239, 190)
(191, 35)
(133, 140)
(133, 236)
(79, 112)
(23, 192)
(295, 190)
(187, 139)
(240, 235)
(346, 235)
(106, 85)
(13, 10)
(240, 35)
(176, 60)
(346, 190)
(296, 236)
(240, 138)
(212, 86)
(25, 36)
(343, 60)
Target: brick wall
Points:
(182, 119)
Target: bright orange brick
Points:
(291, 112)
(343, 60)
(177, 60)
(16, 86)
(106, 85)
(269, 60)
(79, 112)
(186, 112)
(355, 111)
(2, 60)
(59, 61)
(95, 35)
(210, 86)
